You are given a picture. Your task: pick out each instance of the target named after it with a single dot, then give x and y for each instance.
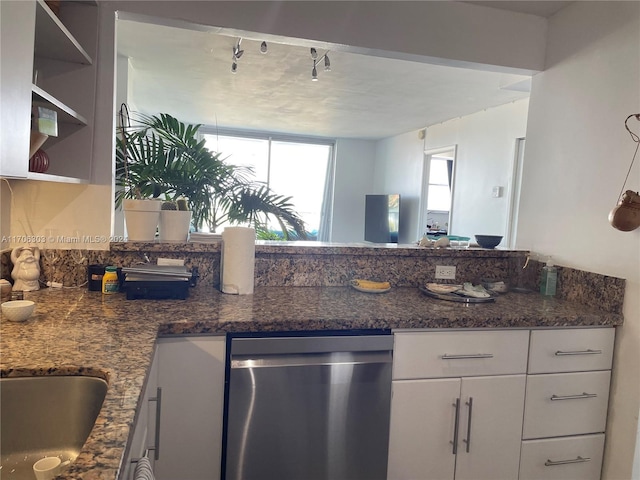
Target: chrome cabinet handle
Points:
(455, 427)
(573, 397)
(468, 439)
(463, 356)
(579, 459)
(158, 400)
(561, 353)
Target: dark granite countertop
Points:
(74, 331)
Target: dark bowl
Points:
(488, 241)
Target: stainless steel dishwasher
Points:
(308, 407)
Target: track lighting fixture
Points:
(316, 61)
(237, 53)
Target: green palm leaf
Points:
(160, 155)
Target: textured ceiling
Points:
(187, 73)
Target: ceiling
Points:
(187, 73)
(544, 8)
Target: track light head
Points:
(314, 73)
(237, 53)
(263, 47)
(314, 53)
(327, 63)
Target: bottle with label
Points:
(549, 279)
(110, 280)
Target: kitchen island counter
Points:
(78, 332)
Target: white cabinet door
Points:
(16, 65)
(459, 354)
(571, 350)
(143, 437)
(562, 404)
(423, 415)
(565, 458)
(191, 376)
(490, 427)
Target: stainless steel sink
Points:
(45, 416)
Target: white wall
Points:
(398, 169)
(486, 144)
(577, 155)
(5, 215)
(38, 206)
(353, 180)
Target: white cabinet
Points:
(191, 374)
(467, 427)
(470, 426)
(564, 458)
(143, 439)
(566, 403)
(45, 64)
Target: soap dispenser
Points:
(549, 279)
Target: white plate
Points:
(442, 288)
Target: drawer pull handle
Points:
(573, 397)
(158, 400)
(560, 353)
(446, 356)
(468, 439)
(579, 459)
(455, 428)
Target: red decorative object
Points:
(39, 163)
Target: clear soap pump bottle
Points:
(549, 280)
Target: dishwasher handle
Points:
(310, 359)
(280, 345)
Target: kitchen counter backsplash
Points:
(300, 264)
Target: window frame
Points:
(326, 212)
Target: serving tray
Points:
(453, 297)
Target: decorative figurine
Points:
(26, 268)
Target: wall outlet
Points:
(445, 272)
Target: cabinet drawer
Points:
(459, 354)
(571, 350)
(566, 404)
(568, 458)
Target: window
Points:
(292, 168)
(439, 193)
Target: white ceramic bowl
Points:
(17, 310)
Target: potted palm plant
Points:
(162, 156)
(137, 198)
(175, 221)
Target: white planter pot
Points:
(141, 218)
(174, 225)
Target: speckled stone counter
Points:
(75, 331)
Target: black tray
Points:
(454, 297)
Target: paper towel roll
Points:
(238, 259)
